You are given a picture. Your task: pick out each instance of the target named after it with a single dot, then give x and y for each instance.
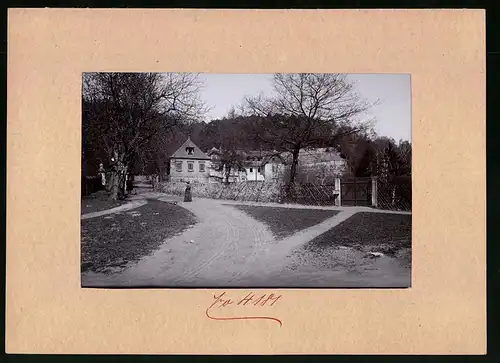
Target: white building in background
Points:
(189, 162)
(218, 174)
(254, 166)
(321, 165)
(263, 166)
(321, 156)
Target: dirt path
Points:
(143, 191)
(122, 208)
(224, 248)
(219, 249)
(229, 248)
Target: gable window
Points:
(190, 166)
(190, 150)
(178, 166)
(202, 167)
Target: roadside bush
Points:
(91, 184)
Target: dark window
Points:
(190, 150)
(190, 166)
(251, 170)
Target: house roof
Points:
(213, 150)
(249, 157)
(314, 156)
(320, 155)
(259, 158)
(182, 153)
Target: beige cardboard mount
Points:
(444, 51)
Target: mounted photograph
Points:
(200, 180)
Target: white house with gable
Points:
(189, 163)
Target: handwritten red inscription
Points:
(259, 300)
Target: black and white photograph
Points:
(204, 180)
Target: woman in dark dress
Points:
(187, 194)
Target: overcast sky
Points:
(393, 113)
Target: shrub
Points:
(91, 184)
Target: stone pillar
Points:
(339, 191)
(374, 192)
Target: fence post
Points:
(338, 188)
(374, 192)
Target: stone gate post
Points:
(339, 191)
(374, 192)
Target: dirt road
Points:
(228, 248)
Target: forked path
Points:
(226, 247)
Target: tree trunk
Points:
(227, 173)
(295, 162)
(109, 182)
(118, 176)
(123, 181)
(114, 184)
(293, 173)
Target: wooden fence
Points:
(390, 194)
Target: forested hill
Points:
(238, 132)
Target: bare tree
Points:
(308, 110)
(228, 162)
(125, 110)
(153, 157)
(226, 137)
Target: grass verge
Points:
(364, 232)
(389, 231)
(109, 242)
(284, 222)
(98, 202)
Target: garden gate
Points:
(356, 191)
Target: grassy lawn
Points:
(99, 201)
(109, 242)
(284, 222)
(387, 233)
(367, 228)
